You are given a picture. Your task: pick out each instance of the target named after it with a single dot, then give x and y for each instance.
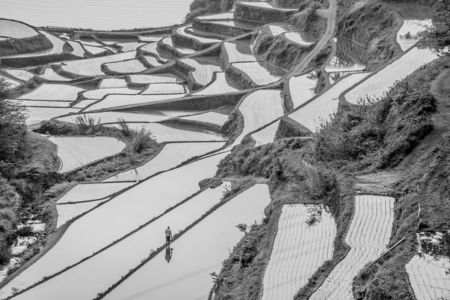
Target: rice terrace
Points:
(225, 149)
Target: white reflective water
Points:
(96, 14)
(116, 218)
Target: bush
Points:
(141, 141)
(88, 125)
(378, 134)
(126, 130)
(12, 131)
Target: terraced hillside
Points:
(284, 157)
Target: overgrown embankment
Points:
(285, 52)
(29, 178)
(206, 7)
(292, 179)
(368, 33)
(12, 46)
(322, 168)
(28, 165)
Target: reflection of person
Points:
(168, 236)
(168, 254)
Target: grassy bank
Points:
(325, 168)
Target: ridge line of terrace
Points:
(60, 232)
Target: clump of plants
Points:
(377, 134)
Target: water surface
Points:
(96, 14)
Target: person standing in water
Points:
(168, 236)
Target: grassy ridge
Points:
(322, 168)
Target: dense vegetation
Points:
(26, 162)
(377, 136)
(206, 7)
(439, 36)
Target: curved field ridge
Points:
(91, 191)
(299, 250)
(170, 156)
(50, 75)
(236, 52)
(208, 117)
(202, 73)
(101, 93)
(115, 117)
(16, 30)
(368, 236)
(48, 91)
(256, 72)
(126, 66)
(316, 112)
(124, 255)
(164, 88)
(201, 40)
(58, 48)
(429, 277)
(75, 152)
(266, 135)
(162, 133)
(143, 79)
(112, 83)
(71, 211)
(93, 66)
(115, 218)
(44, 103)
(115, 101)
(197, 253)
(218, 86)
(379, 84)
(258, 109)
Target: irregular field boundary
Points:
(342, 96)
(60, 232)
(175, 237)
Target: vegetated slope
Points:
(368, 33)
(359, 138)
(279, 49)
(206, 7)
(28, 165)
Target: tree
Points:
(13, 128)
(439, 36)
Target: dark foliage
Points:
(378, 134)
(439, 36)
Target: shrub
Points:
(88, 125)
(378, 133)
(25, 231)
(141, 141)
(126, 130)
(12, 131)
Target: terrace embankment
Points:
(368, 33)
(13, 46)
(287, 43)
(326, 168)
(18, 38)
(36, 183)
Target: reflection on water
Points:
(96, 14)
(169, 253)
